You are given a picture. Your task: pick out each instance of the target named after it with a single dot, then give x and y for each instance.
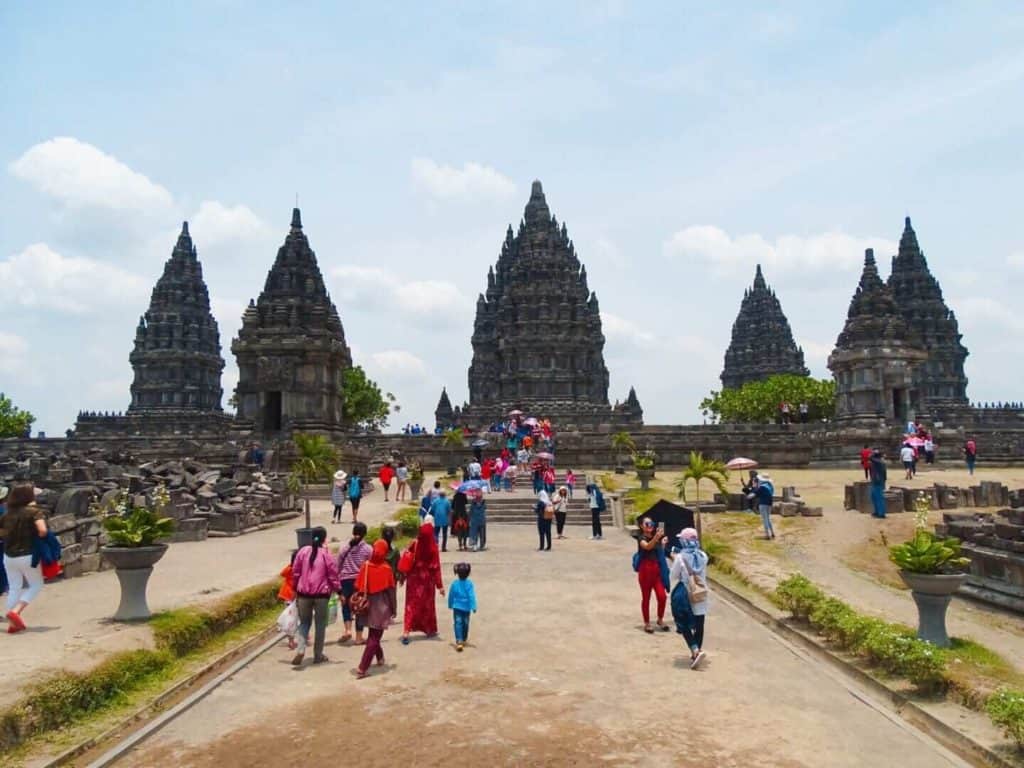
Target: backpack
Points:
(601, 506)
(355, 488)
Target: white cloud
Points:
(358, 285)
(434, 302)
(816, 356)
(215, 223)
(618, 330)
(982, 311)
(727, 254)
(432, 298)
(1016, 260)
(472, 181)
(78, 175)
(41, 277)
(12, 345)
(396, 363)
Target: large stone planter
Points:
(415, 486)
(133, 566)
(644, 476)
(932, 593)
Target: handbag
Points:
(359, 602)
(636, 561)
(405, 561)
(696, 588)
(549, 512)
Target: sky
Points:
(681, 142)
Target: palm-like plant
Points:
(702, 468)
(316, 460)
(623, 445)
(452, 440)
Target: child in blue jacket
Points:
(462, 600)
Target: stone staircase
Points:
(516, 507)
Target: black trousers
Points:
(595, 522)
(560, 522)
(544, 531)
(694, 637)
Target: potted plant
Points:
(317, 460)
(451, 441)
(415, 479)
(932, 567)
(134, 546)
(623, 446)
(643, 463)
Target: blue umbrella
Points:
(473, 485)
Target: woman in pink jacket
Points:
(315, 578)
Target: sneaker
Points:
(695, 662)
(297, 660)
(15, 621)
(321, 660)
(459, 647)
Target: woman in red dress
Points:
(421, 581)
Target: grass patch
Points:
(608, 482)
(871, 558)
(64, 698)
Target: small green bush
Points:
(798, 596)
(183, 631)
(409, 521)
(1006, 708)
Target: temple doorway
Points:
(272, 412)
(899, 405)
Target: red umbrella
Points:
(741, 463)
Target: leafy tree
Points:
(702, 468)
(14, 422)
(757, 402)
(364, 405)
(623, 445)
(453, 440)
(317, 459)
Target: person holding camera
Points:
(652, 571)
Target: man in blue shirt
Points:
(440, 509)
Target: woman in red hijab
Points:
(421, 581)
(377, 580)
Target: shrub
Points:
(184, 630)
(1006, 708)
(409, 521)
(798, 596)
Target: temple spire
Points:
(296, 219)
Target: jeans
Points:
(560, 522)
(312, 610)
(372, 649)
(544, 531)
(694, 637)
(478, 533)
(766, 519)
(23, 581)
(570, 491)
(595, 522)
(461, 625)
(878, 499)
(348, 588)
(970, 463)
(441, 536)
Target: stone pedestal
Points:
(932, 594)
(134, 566)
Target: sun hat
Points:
(4, 490)
(763, 478)
(688, 534)
(340, 474)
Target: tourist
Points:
(764, 492)
(878, 477)
(286, 594)
(690, 595)
(804, 410)
(651, 567)
(548, 478)
(255, 455)
(784, 411)
(929, 450)
(425, 503)
(460, 519)
(485, 472)
(338, 491)
(509, 477)
(523, 459)
(315, 579)
(747, 489)
(440, 510)
(386, 475)
(560, 502)
(423, 578)
(4, 490)
(545, 514)
(350, 559)
(538, 479)
(461, 601)
(435, 491)
(907, 457)
(570, 482)
(402, 477)
(355, 493)
(970, 454)
(595, 500)
(20, 526)
(393, 555)
(865, 461)
(377, 581)
(478, 522)
(474, 469)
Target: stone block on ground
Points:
(806, 511)
(788, 509)
(893, 502)
(92, 562)
(191, 529)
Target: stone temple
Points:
(942, 381)
(876, 356)
(537, 340)
(291, 349)
(762, 342)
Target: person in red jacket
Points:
(386, 475)
(865, 462)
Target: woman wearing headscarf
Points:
(315, 578)
(545, 514)
(423, 578)
(690, 607)
(460, 519)
(377, 581)
(652, 572)
(20, 527)
(560, 501)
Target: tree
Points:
(364, 406)
(757, 402)
(701, 468)
(316, 460)
(623, 445)
(452, 439)
(14, 422)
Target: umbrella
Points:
(917, 442)
(531, 422)
(545, 455)
(741, 463)
(515, 413)
(473, 485)
(481, 443)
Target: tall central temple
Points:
(537, 340)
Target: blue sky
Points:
(681, 143)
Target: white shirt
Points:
(474, 469)
(929, 446)
(681, 570)
(906, 453)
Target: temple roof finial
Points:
(184, 229)
(296, 219)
